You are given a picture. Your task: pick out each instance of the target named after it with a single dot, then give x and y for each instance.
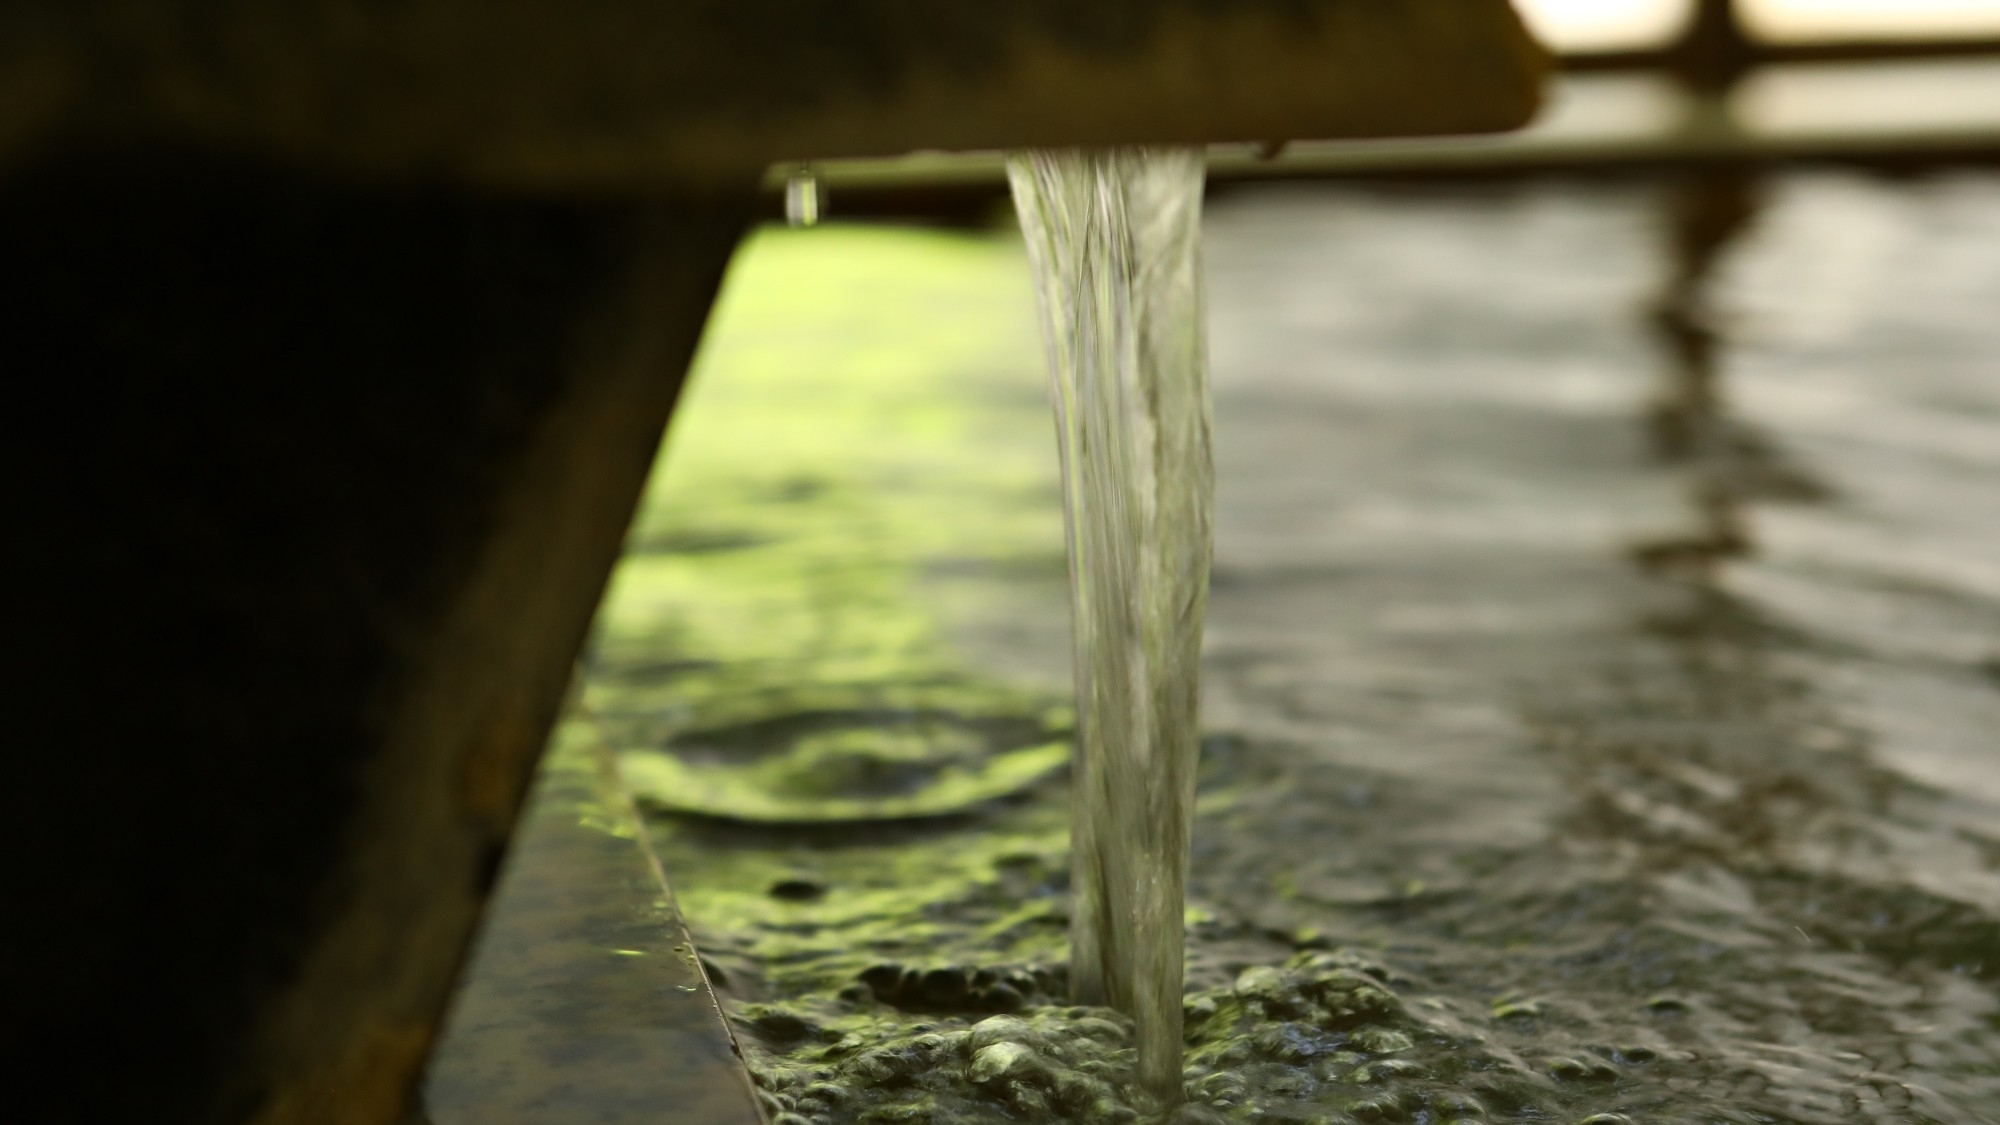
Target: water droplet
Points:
(802, 197)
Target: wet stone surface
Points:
(1549, 773)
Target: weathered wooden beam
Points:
(596, 95)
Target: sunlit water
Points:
(1114, 235)
(1509, 809)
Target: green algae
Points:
(818, 476)
(1321, 1037)
(845, 767)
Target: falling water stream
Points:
(1113, 236)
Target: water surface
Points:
(1524, 794)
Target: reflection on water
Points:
(1494, 824)
(1894, 100)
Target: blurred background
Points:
(1650, 82)
(1604, 647)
